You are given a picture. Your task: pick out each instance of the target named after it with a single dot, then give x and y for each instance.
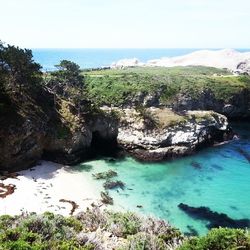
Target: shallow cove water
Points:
(216, 177)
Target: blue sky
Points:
(126, 23)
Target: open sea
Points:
(94, 58)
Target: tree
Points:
(67, 82)
(69, 74)
(17, 67)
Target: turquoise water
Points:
(221, 183)
(93, 58)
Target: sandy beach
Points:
(40, 189)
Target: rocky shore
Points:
(32, 129)
(173, 135)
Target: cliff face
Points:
(180, 88)
(44, 127)
(238, 106)
(173, 135)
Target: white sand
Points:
(41, 189)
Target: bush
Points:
(123, 224)
(144, 241)
(6, 221)
(219, 239)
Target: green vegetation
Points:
(127, 231)
(35, 232)
(150, 119)
(17, 68)
(66, 81)
(120, 86)
(219, 239)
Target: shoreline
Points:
(41, 188)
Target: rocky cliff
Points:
(41, 125)
(163, 134)
(236, 107)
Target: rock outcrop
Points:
(172, 135)
(238, 106)
(55, 130)
(38, 126)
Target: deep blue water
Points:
(221, 183)
(93, 58)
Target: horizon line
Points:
(212, 48)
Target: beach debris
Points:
(6, 190)
(139, 206)
(87, 199)
(105, 175)
(34, 179)
(74, 205)
(106, 199)
(214, 219)
(113, 184)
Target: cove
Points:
(217, 178)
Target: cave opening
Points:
(101, 146)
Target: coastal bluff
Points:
(33, 129)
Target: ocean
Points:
(94, 58)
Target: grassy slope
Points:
(116, 86)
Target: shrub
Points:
(6, 221)
(123, 224)
(144, 241)
(219, 239)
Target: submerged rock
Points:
(196, 165)
(113, 184)
(244, 153)
(214, 219)
(106, 199)
(105, 175)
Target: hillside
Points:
(233, 60)
(180, 88)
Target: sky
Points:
(125, 23)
